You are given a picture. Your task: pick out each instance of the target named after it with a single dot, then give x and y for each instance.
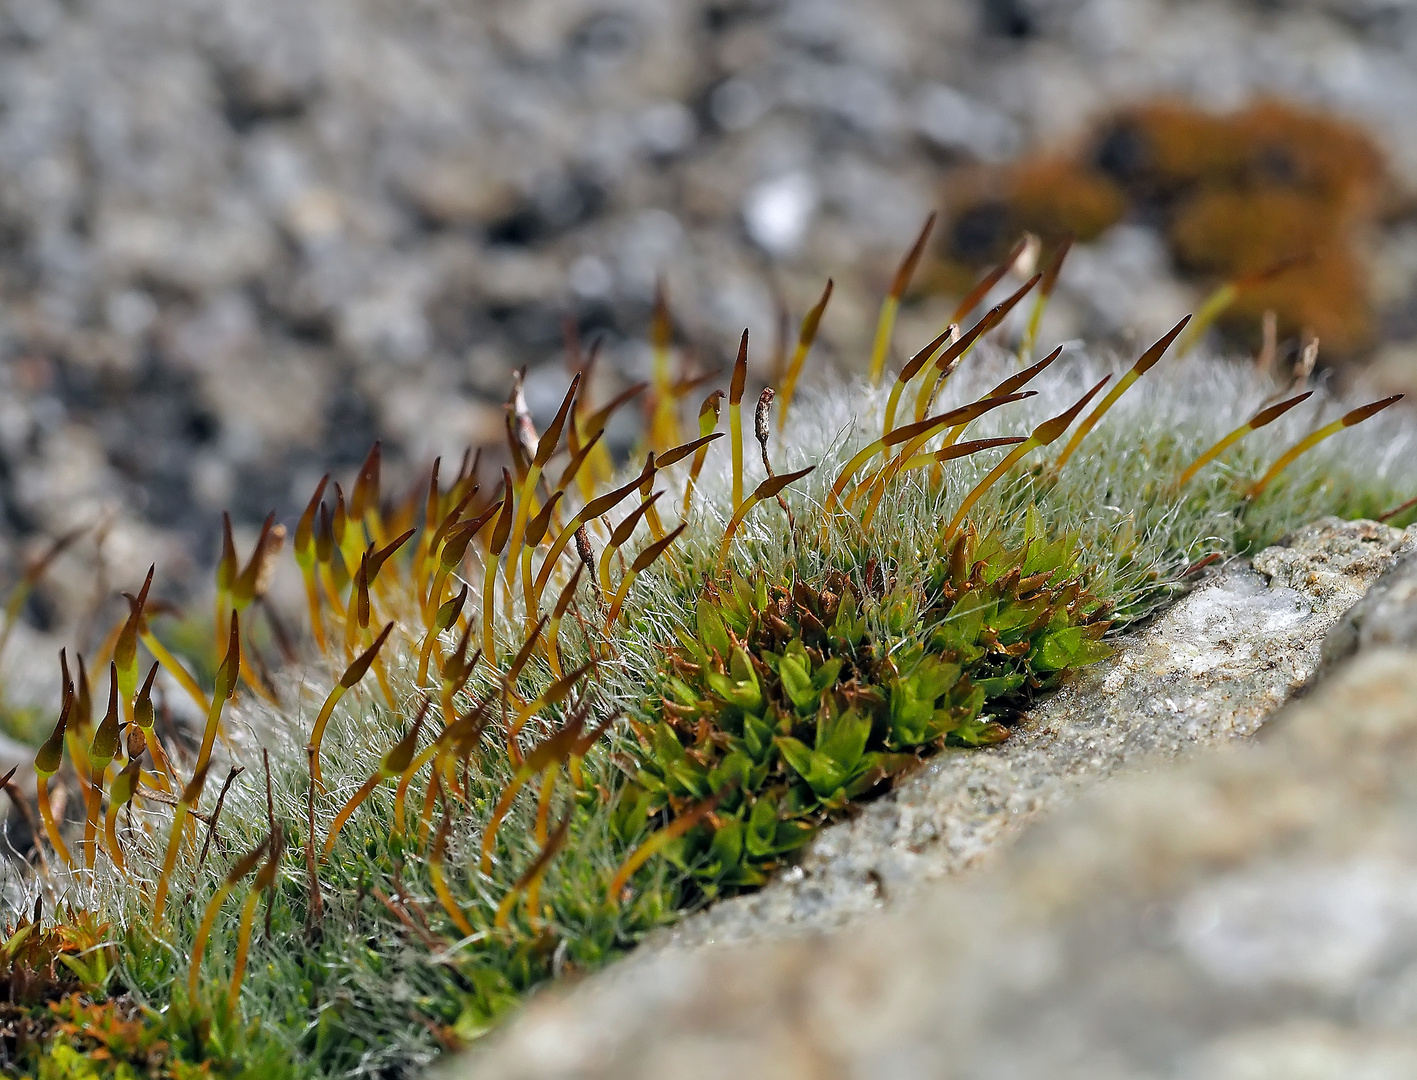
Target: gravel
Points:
(241, 239)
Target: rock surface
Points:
(1386, 617)
(1209, 670)
(1247, 913)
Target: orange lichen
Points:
(1162, 148)
(1235, 195)
(1057, 197)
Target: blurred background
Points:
(242, 239)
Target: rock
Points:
(1386, 617)
(778, 212)
(16, 755)
(955, 121)
(1208, 671)
(1121, 282)
(461, 190)
(1248, 913)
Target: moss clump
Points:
(1239, 196)
(540, 711)
(802, 698)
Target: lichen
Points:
(1273, 191)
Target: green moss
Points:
(666, 720)
(806, 697)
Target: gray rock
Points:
(778, 212)
(1208, 671)
(958, 122)
(1386, 617)
(1250, 914)
(1122, 282)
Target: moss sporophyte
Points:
(541, 711)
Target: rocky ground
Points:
(241, 239)
(1134, 906)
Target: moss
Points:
(539, 712)
(807, 697)
(1237, 195)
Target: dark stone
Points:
(978, 233)
(1123, 153)
(1008, 18)
(1386, 617)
